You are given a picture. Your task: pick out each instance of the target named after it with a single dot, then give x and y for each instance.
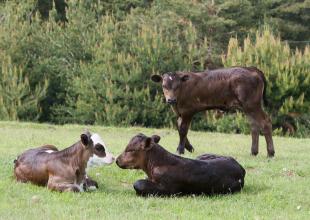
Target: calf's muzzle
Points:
(171, 101)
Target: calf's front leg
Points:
(148, 188)
(89, 184)
(60, 185)
(183, 126)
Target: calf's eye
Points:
(99, 147)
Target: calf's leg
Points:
(260, 121)
(234, 185)
(63, 187)
(183, 126)
(44, 7)
(58, 184)
(148, 188)
(255, 138)
(60, 6)
(267, 131)
(90, 184)
(188, 146)
(19, 175)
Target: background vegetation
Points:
(95, 68)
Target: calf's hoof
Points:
(270, 154)
(189, 148)
(254, 152)
(90, 184)
(180, 150)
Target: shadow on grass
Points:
(251, 189)
(254, 189)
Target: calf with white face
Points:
(63, 170)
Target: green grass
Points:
(274, 188)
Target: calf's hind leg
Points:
(260, 121)
(56, 184)
(255, 137)
(148, 188)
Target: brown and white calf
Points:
(63, 170)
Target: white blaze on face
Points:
(100, 161)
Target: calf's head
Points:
(171, 84)
(100, 156)
(135, 154)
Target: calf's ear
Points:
(147, 144)
(156, 78)
(85, 138)
(155, 138)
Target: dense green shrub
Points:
(98, 64)
(46, 50)
(114, 88)
(17, 99)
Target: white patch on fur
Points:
(170, 77)
(81, 187)
(100, 161)
(97, 139)
(49, 151)
(92, 188)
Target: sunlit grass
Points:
(274, 188)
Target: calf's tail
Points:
(264, 91)
(262, 76)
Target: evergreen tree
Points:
(287, 73)
(17, 101)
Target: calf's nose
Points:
(171, 101)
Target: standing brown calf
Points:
(231, 88)
(60, 170)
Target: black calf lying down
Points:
(169, 174)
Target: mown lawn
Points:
(274, 188)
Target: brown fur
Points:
(169, 174)
(61, 170)
(231, 88)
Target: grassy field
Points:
(274, 188)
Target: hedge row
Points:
(96, 69)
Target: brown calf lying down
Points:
(61, 170)
(169, 174)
